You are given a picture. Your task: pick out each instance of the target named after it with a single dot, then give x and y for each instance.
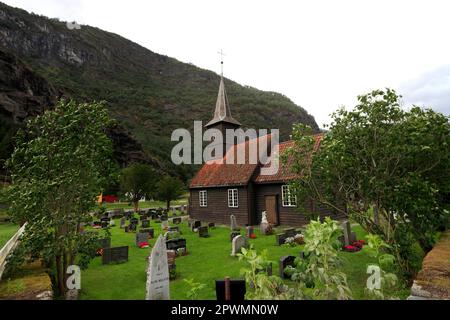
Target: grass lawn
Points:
(7, 230)
(144, 204)
(208, 259)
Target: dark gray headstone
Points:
(284, 262)
(115, 255)
(280, 238)
(196, 224)
(145, 223)
(234, 234)
(176, 220)
(150, 231)
(175, 244)
(290, 232)
(211, 225)
(104, 243)
(203, 232)
(174, 229)
(141, 237)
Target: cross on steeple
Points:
(221, 61)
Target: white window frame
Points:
(233, 198)
(287, 198)
(203, 198)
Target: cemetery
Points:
(206, 261)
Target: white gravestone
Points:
(158, 272)
(238, 243)
(233, 224)
(164, 225)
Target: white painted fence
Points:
(9, 247)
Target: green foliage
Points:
(60, 164)
(138, 181)
(320, 268)
(168, 189)
(389, 165)
(377, 248)
(194, 289)
(262, 286)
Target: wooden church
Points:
(220, 190)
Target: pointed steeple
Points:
(222, 112)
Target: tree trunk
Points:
(59, 276)
(168, 205)
(136, 205)
(376, 215)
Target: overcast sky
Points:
(321, 54)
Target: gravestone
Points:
(134, 221)
(150, 231)
(234, 234)
(280, 238)
(284, 262)
(123, 222)
(145, 223)
(349, 237)
(196, 224)
(105, 224)
(104, 243)
(237, 290)
(203, 232)
(238, 243)
(175, 244)
(176, 220)
(112, 223)
(174, 229)
(211, 225)
(131, 228)
(141, 237)
(171, 255)
(158, 273)
(290, 232)
(233, 223)
(164, 225)
(164, 217)
(115, 255)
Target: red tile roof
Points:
(213, 174)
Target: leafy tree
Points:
(138, 181)
(319, 270)
(60, 164)
(168, 189)
(389, 165)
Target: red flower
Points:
(143, 245)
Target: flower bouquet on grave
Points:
(359, 244)
(99, 252)
(289, 242)
(253, 236)
(351, 248)
(143, 245)
(299, 238)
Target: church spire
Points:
(222, 113)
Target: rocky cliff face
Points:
(25, 94)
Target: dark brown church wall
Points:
(217, 210)
(288, 216)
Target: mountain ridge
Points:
(148, 93)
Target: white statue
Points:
(264, 217)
